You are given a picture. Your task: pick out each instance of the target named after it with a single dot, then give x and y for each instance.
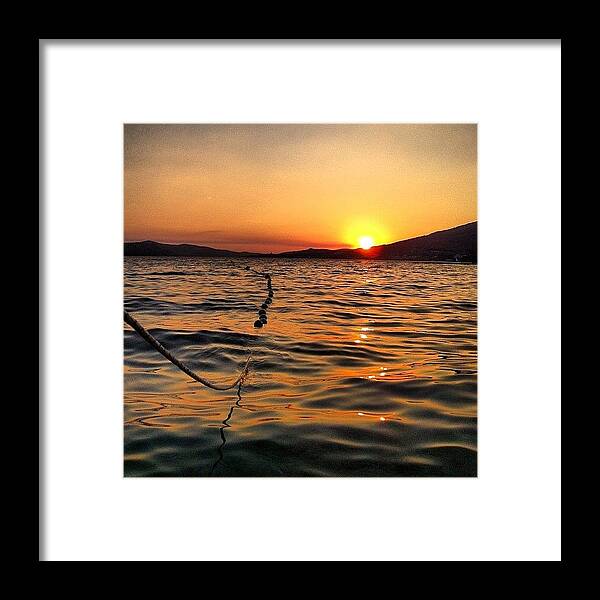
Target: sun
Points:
(365, 242)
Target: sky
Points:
(272, 188)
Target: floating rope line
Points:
(262, 312)
(158, 346)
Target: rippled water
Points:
(365, 368)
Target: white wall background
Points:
(512, 511)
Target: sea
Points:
(364, 368)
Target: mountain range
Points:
(458, 244)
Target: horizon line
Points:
(201, 245)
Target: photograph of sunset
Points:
(300, 300)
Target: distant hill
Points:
(149, 248)
(458, 244)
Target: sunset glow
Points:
(272, 188)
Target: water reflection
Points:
(226, 425)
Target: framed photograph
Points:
(298, 291)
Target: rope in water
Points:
(132, 322)
(262, 313)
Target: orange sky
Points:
(272, 188)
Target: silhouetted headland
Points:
(458, 244)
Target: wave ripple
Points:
(367, 368)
